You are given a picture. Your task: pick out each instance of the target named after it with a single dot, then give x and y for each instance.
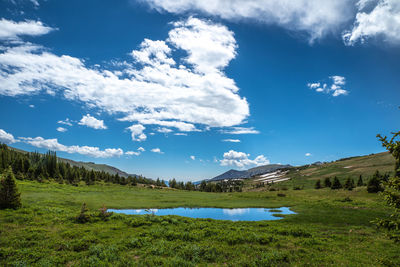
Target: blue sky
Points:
(191, 89)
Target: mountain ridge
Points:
(235, 174)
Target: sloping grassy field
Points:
(332, 228)
(306, 176)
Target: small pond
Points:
(239, 214)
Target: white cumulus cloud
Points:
(157, 150)
(135, 153)
(192, 157)
(62, 129)
(92, 122)
(6, 138)
(137, 132)
(308, 154)
(188, 93)
(242, 160)
(383, 21)
(335, 88)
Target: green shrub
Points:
(83, 216)
(103, 213)
(10, 198)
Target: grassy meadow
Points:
(306, 176)
(332, 228)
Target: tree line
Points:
(374, 184)
(40, 167)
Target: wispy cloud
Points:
(61, 129)
(240, 130)
(164, 130)
(182, 134)
(12, 31)
(314, 17)
(231, 140)
(65, 122)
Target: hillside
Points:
(306, 176)
(87, 165)
(96, 167)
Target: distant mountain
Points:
(231, 174)
(266, 169)
(234, 174)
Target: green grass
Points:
(329, 229)
(306, 177)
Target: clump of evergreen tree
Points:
(336, 184)
(10, 198)
(360, 181)
(318, 184)
(349, 184)
(327, 182)
(83, 216)
(375, 183)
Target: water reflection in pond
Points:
(239, 214)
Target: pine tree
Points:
(318, 184)
(349, 184)
(83, 217)
(336, 184)
(172, 183)
(327, 182)
(375, 183)
(360, 181)
(10, 198)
